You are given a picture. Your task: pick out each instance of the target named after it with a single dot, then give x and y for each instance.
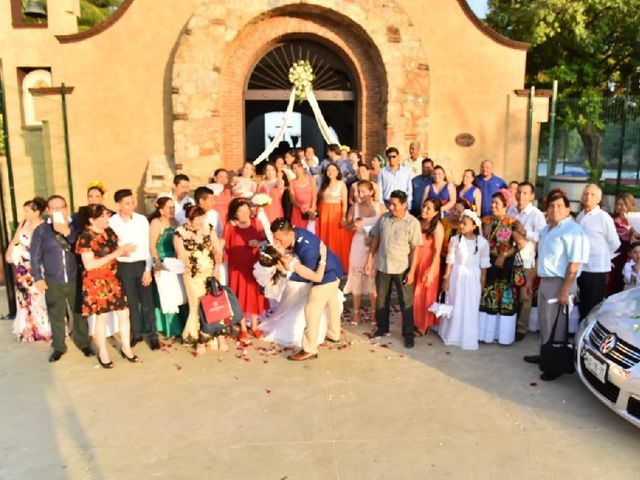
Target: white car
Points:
(608, 353)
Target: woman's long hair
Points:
(326, 180)
(89, 212)
(160, 204)
(430, 227)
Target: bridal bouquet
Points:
(302, 77)
(261, 200)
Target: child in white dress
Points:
(467, 263)
(631, 269)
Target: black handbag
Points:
(558, 356)
(219, 297)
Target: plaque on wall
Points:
(465, 140)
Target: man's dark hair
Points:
(281, 225)
(56, 197)
(391, 150)
(527, 184)
(427, 160)
(633, 245)
(557, 194)
(202, 193)
(400, 195)
(181, 177)
(122, 193)
(334, 147)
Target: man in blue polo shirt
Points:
(488, 183)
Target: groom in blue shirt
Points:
(323, 294)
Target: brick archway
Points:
(223, 42)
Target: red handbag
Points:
(216, 308)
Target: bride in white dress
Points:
(284, 322)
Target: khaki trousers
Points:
(196, 288)
(321, 296)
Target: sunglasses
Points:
(391, 156)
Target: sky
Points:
(479, 7)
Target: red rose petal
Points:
(533, 384)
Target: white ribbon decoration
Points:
(283, 128)
(328, 135)
(261, 216)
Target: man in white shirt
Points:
(205, 199)
(134, 271)
(531, 221)
(604, 240)
(414, 162)
(180, 195)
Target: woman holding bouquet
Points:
(274, 187)
(303, 198)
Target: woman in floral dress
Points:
(498, 304)
(198, 246)
(101, 289)
(31, 322)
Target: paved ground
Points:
(361, 411)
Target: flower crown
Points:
(97, 184)
(473, 216)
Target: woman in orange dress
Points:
(274, 187)
(222, 193)
(332, 212)
(303, 198)
(427, 277)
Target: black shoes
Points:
(88, 351)
(520, 336)
(55, 356)
(532, 358)
(154, 343)
(379, 333)
(133, 359)
(107, 365)
(409, 342)
(548, 376)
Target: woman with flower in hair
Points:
(464, 279)
(498, 306)
(31, 322)
(427, 279)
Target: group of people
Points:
(285, 241)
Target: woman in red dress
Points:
(101, 289)
(427, 277)
(222, 193)
(274, 187)
(242, 237)
(332, 222)
(303, 197)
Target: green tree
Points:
(592, 47)
(93, 12)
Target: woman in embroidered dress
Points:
(101, 290)
(498, 305)
(198, 246)
(427, 278)
(31, 322)
(303, 199)
(242, 237)
(168, 290)
(469, 191)
(361, 217)
(274, 187)
(332, 212)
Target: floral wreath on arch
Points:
(301, 77)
